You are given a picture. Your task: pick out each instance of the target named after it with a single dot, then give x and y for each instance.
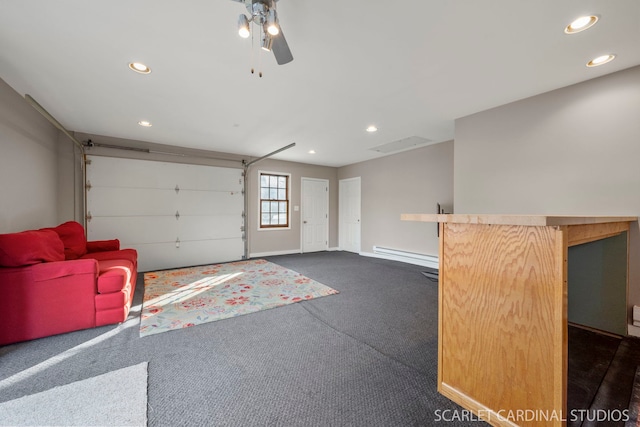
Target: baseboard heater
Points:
(408, 257)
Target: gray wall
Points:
(28, 165)
(575, 150)
(409, 182)
(280, 241)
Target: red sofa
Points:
(53, 281)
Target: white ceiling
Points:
(410, 67)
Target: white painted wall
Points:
(575, 150)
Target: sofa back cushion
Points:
(72, 235)
(30, 247)
(103, 245)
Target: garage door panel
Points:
(134, 230)
(162, 256)
(219, 179)
(210, 203)
(124, 173)
(136, 202)
(206, 227)
(135, 173)
(114, 201)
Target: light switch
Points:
(296, 208)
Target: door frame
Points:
(326, 202)
(341, 227)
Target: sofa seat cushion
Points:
(114, 300)
(128, 254)
(30, 247)
(115, 275)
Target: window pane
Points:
(274, 200)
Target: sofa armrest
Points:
(53, 270)
(103, 245)
(47, 299)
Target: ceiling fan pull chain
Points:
(260, 53)
(252, 48)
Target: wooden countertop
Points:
(532, 220)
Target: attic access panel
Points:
(175, 215)
(401, 144)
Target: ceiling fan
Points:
(263, 14)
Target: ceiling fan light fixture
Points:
(243, 27)
(272, 23)
(581, 24)
(267, 34)
(267, 42)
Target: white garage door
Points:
(174, 215)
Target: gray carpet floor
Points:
(364, 357)
(117, 398)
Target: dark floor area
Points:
(366, 357)
(601, 373)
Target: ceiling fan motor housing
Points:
(259, 12)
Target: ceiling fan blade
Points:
(281, 49)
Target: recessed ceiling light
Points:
(139, 67)
(145, 123)
(312, 151)
(372, 128)
(600, 60)
(581, 24)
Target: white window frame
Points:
(259, 209)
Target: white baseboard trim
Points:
(274, 253)
(634, 331)
(430, 261)
(287, 252)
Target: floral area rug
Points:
(175, 299)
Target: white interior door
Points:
(174, 215)
(315, 214)
(350, 215)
